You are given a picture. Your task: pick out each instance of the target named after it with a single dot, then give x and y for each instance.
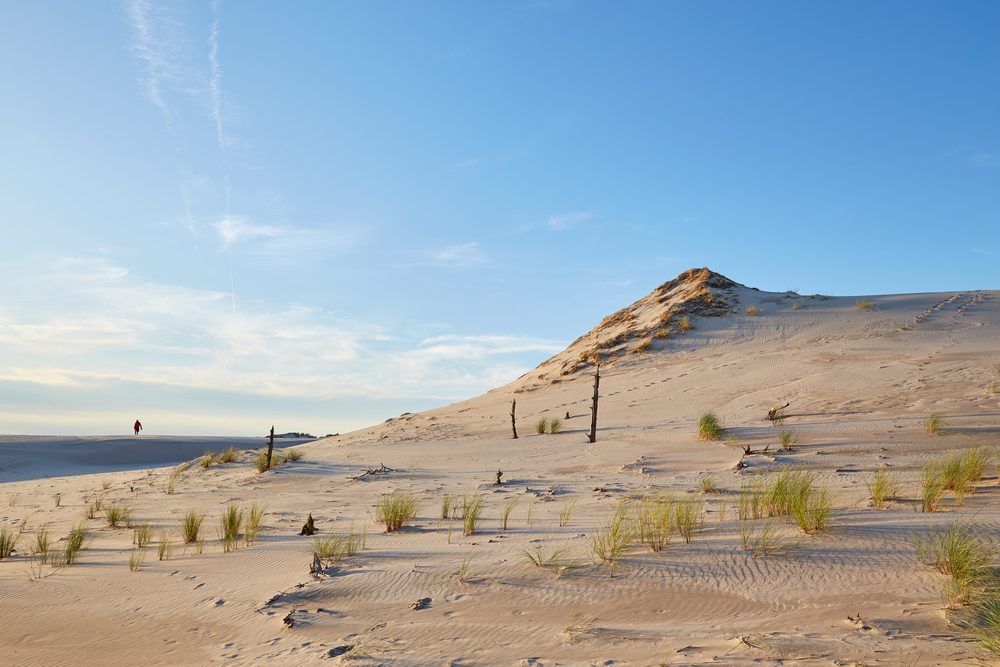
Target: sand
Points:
(860, 384)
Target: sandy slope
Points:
(859, 382)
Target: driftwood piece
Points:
(499, 475)
(422, 603)
(772, 414)
(317, 565)
(371, 472)
(309, 527)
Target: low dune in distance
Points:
(526, 586)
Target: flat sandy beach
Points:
(861, 382)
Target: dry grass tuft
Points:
(611, 542)
(933, 424)
(472, 507)
(191, 525)
(864, 305)
(752, 311)
(230, 526)
(541, 426)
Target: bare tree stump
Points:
(592, 436)
(309, 527)
(513, 425)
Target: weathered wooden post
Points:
(270, 448)
(513, 426)
(593, 407)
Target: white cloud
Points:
(564, 221)
(464, 256)
(235, 229)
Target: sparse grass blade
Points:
(472, 507)
(566, 513)
(611, 542)
(787, 438)
(142, 534)
(687, 517)
(555, 425)
(541, 425)
(508, 507)
(135, 559)
(165, 547)
(932, 485)
(708, 484)
(255, 518)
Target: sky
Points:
(219, 216)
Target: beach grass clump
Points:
(687, 518)
(135, 559)
(985, 623)
(207, 459)
(610, 543)
(447, 505)
(228, 455)
(959, 551)
(12, 499)
(191, 525)
(554, 562)
(261, 462)
(106, 484)
(165, 547)
(555, 425)
(654, 521)
(684, 323)
(75, 542)
(8, 540)
(762, 541)
(933, 423)
(993, 388)
(142, 535)
(118, 515)
(508, 507)
(787, 438)
(883, 488)
(255, 517)
(541, 426)
(566, 513)
(41, 546)
(472, 507)
(783, 493)
(752, 311)
(932, 487)
(812, 511)
(707, 484)
(864, 305)
(230, 526)
(291, 454)
(644, 345)
(334, 547)
(395, 509)
(751, 500)
(709, 427)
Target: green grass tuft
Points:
(555, 425)
(395, 509)
(541, 425)
(882, 489)
(472, 507)
(191, 526)
(611, 542)
(230, 526)
(959, 551)
(709, 427)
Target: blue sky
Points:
(219, 216)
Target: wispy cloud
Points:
(235, 229)
(563, 221)
(463, 256)
(215, 78)
(983, 159)
(466, 164)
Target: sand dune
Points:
(860, 382)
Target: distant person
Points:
(137, 426)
